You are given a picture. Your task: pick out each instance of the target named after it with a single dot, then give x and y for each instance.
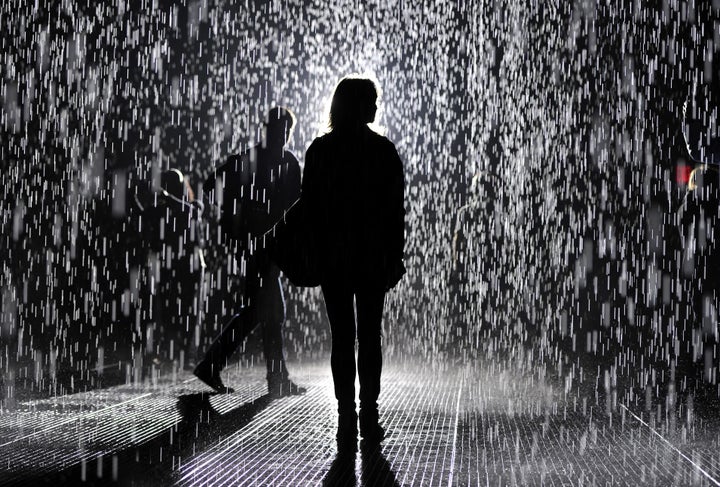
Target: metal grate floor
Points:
(473, 425)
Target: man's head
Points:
(279, 126)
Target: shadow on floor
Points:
(375, 470)
(155, 461)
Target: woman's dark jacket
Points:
(353, 190)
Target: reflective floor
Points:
(467, 425)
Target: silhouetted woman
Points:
(353, 191)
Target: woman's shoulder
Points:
(379, 139)
(335, 139)
(319, 142)
(384, 146)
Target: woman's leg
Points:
(339, 305)
(369, 331)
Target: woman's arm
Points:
(397, 206)
(309, 178)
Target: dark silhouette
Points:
(353, 189)
(292, 247)
(464, 291)
(173, 224)
(253, 190)
(698, 215)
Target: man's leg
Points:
(271, 305)
(230, 338)
(369, 314)
(272, 316)
(232, 335)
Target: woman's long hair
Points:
(353, 103)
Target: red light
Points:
(682, 173)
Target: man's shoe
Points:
(284, 387)
(211, 377)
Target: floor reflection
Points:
(342, 470)
(375, 470)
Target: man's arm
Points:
(209, 184)
(294, 185)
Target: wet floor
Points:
(467, 425)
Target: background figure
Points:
(353, 187)
(470, 278)
(175, 267)
(253, 190)
(698, 216)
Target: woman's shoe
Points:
(347, 432)
(370, 428)
(372, 434)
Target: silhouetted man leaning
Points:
(254, 189)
